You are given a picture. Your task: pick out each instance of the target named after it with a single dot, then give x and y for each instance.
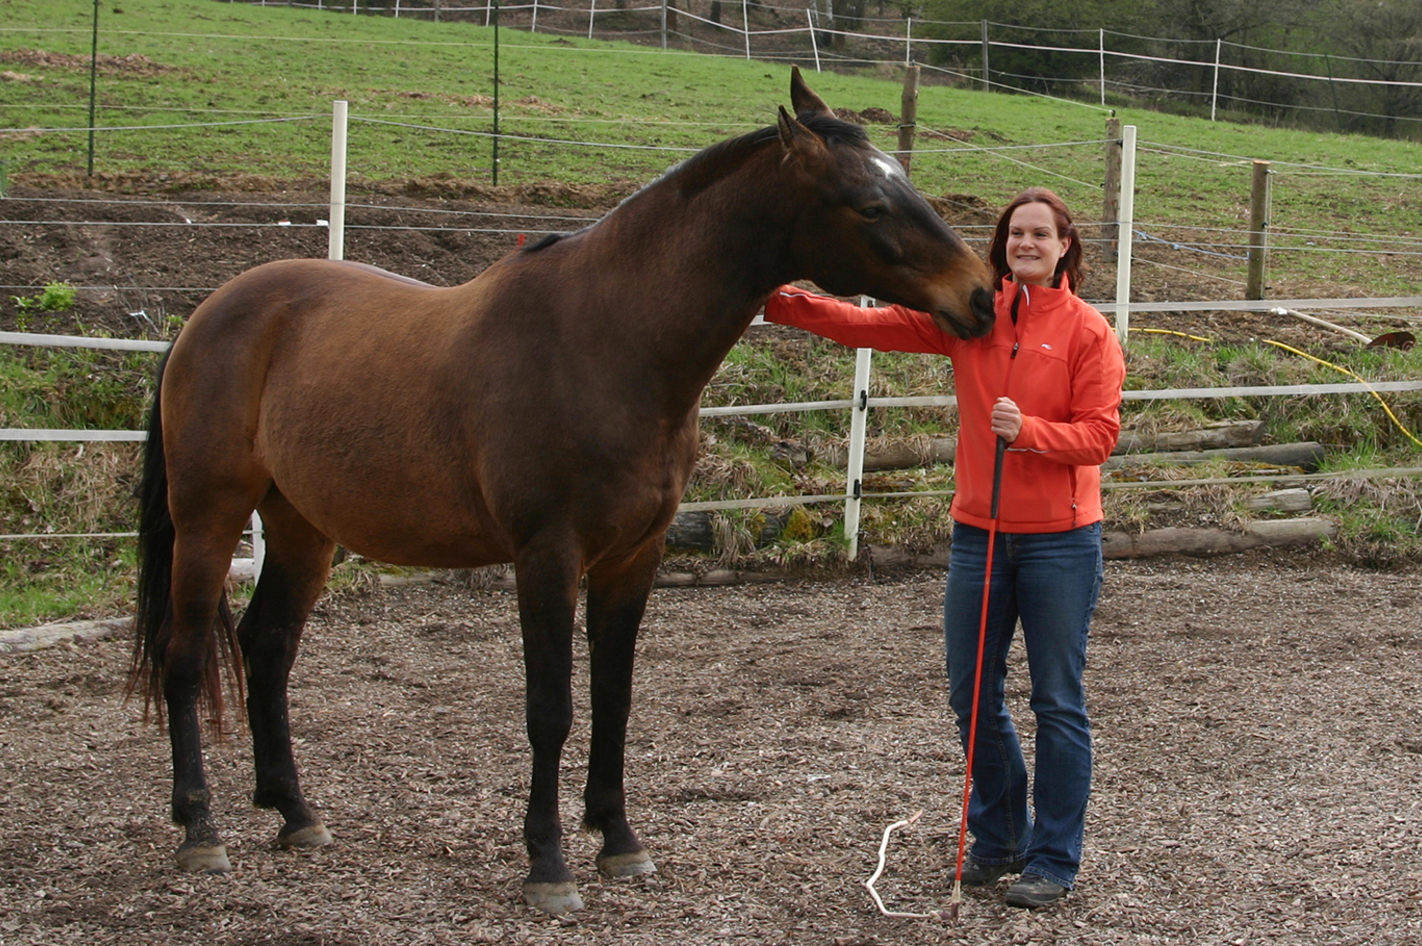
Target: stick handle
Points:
(997, 475)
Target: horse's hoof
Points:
(315, 835)
(626, 865)
(204, 859)
(556, 899)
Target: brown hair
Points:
(1070, 263)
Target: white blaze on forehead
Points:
(890, 167)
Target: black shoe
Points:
(978, 874)
(1032, 891)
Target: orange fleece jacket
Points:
(1060, 362)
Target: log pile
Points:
(1238, 441)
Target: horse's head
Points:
(863, 228)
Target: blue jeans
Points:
(1050, 582)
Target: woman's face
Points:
(1033, 246)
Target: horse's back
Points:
(337, 383)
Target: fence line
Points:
(860, 403)
(879, 34)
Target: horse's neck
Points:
(707, 260)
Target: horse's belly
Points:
(410, 514)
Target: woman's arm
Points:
(888, 328)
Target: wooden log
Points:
(1305, 455)
(1207, 542)
(896, 455)
(695, 531)
(1282, 500)
(716, 576)
(1220, 436)
(691, 530)
(25, 639)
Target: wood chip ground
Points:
(1257, 735)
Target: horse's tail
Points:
(153, 617)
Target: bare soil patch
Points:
(1258, 756)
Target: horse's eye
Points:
(872, 212)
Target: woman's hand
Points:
(1006, 419)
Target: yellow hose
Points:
(1303, 354)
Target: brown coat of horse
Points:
(542, 414)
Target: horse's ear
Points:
(798, 140)
(803, 99)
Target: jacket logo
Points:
(1046, 346)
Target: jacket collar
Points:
(1035, 297)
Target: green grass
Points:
(233, 61)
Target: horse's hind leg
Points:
(617, 596)
(297, 563)
(201, 559)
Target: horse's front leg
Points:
(617, 597)
(547, 598)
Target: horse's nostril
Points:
(982, 305)
(983, 313)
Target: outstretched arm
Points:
(887, 328)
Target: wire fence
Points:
(1158, 242)
(1349, 93)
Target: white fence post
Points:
(858, 426)
(592, 12)
(336, 247)
(1126, 231)
(745, 18)
(259, 546)
(1215, 90)
(814, 44)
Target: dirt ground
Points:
(1258, 744)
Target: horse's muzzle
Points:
(975, 323)
(983, 313)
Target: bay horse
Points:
(544, 414)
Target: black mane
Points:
(700, 170)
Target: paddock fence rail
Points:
(1133, 234)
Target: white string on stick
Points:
(883, 853)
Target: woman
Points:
(1047, 380)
